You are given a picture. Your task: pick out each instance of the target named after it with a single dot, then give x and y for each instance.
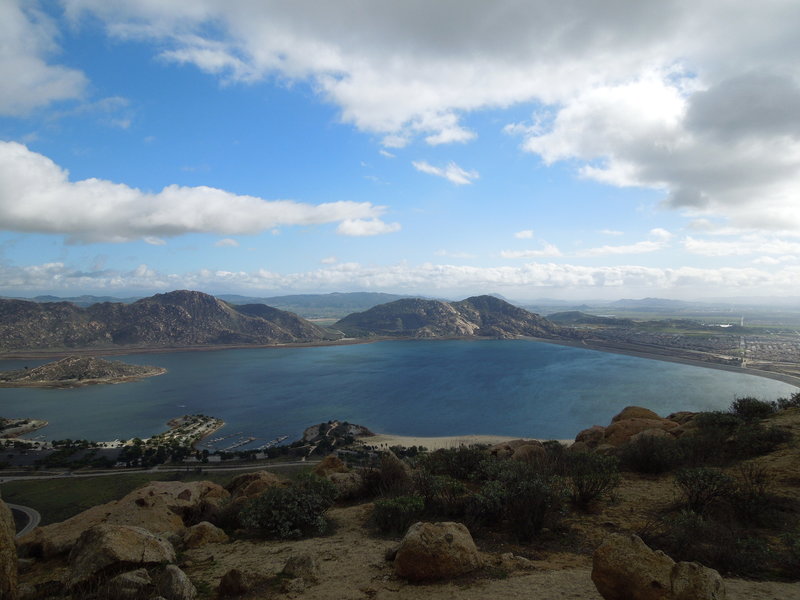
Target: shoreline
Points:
(443, 442)
(76, 383)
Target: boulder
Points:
(302, 566)
(693, 581)
(203, 533)
(329, 464)
(634, 412)
(162, 506)
(432, 551)
(531, 452)
(624, 568)
(8, 555)
(132, 584)
(105, 548)
(592, 436)
(506, 449)
(652, 433)
(175, 585)
(620, 432)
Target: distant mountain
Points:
(84, 300)
(333, 305)
(484, 316)
(176, 319)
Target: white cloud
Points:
(329, 260)
(366, 227)
(36, 195)
(661, 237)
(459, 255)
(424, 278)
(386, 153)
(28, 37)
(548, 250)
(154, 241)
(525, 234)
(746, 245)
(611, 232)
(226, 243)
(452, 172)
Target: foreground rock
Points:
(203, 533)
(632, 421)
(625, 568)
(105, 549)
(162, 507)
(8, 555)
(175, 585)
(431, 551)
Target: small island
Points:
(75, 371)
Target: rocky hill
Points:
(175, 319)
(76, 370)
(481, 316)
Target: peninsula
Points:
(75, 371)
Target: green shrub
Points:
(756, 440)
(290, 512)
(651, 455)
(590, 476)
(459, 463)
(750, 498)
(391, 478)
(443, 496)
(702, 486)
(792, 401)
(752, 409)
(395, 515)
(488, 505)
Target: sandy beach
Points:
(435, 443)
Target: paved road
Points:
(33, 517)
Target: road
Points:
(33, 517)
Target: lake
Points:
(424, 388)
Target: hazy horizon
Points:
(573, 150)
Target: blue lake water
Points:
(502, 387)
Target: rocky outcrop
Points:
(631, 422)
(104, 549)
(203, 533)
(175, 585)
(531, 452)
(431, 551)
(129, 585)
(180, 318)
(233, 583)
(625, 568)
(329, 464)
(481, 316)
(302, 566)
(8, 555)
(348, 485)
(162, 507)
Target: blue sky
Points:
(578, 151)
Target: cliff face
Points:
(181, 318)
(484, 316)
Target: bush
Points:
(792, 401)
(459, 463)
(651, 455)
(752, 409)
(443, 496)
(591, 476)
(750, 499)
(290, 512)
(488, 505)
(756, 440)
(702, 487)
(395, 515)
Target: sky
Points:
(535, 149)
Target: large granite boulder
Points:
(592, 437)
(162, 507)
(620, 432)
(348, 485)
(203, 533)
(8, 555)
(432, 551)
(175, 585)
(250, 485)
(531, 452)
(302, 566)
(104, 550)
(625, 568)
(506, 449)
(634, 412)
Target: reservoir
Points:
(422, 388)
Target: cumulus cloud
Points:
(329, 260)
(226, 243)
(455, 279)
(452, 172)
(611, 232)
(36, 195)
(29, 81)
(366, 227)
(694, 99)
(660, 238)
(525, 234)
(547, 250)
(747, 245)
